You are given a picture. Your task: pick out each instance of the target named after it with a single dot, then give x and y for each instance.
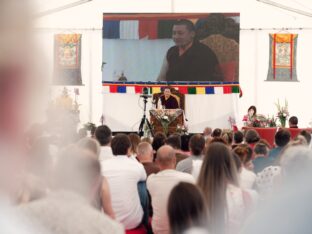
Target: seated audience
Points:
(293, 122)
(193, 163)
(217, 132)
(252, 137)
(174, 141)
(227, 137)
(261, 160)
(158, 141)
(227, 203)
(135, 141)
(104, 136)
(306, 135)
(238, 138)
(207, 133)
(145, 156)
(123, 175)
(186, 208)
(101, 199)
(282, 137)
(247, 177)
(160, 185)
(75, 175)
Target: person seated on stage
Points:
(293, 122)
(251, 115)
(167, 101)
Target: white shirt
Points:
(159, 186)
(106, 153)
(247, 179)
(123, 175)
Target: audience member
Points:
(252, 137)
(174, 141)
(293, 122)
(193, 163)
(145, 156)
(216, 132)
(227, 137)
(207, 133)
(306, 135)
(135, 141)
(104, 136)
(227, 203)
(101, 199)
(158, 141)
(247, 176)
(282, 137)
(186, 208)
(261, 160)
(123, 175)
(160, 185)
(238, 138)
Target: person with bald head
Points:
(145, 154)
(160, 185)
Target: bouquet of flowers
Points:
(271, 122)
(165, 121)
(182, 129)
(282, 112)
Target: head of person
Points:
(165, 158)
(121, 145)
(282, 137)
(244, 152)
(197, 144)
(135, 141)
(183, 33)
(252, 111)
(167, 92)
(104, 135)
(186, 208)
(252, 136)
(293, 122)
(145, 152)
(158, 140)
(174, 141)
(207, 131)
(261, 149)
(306, 135)
(217, 132)
(227, 137)
(217, 171)
(90, 144)
(238, 137)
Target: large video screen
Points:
(175, 47)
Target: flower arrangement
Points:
(282, 112)
(271, 122)
(165, 121)
(89, 126)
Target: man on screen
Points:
(167, 101)
(189, 60)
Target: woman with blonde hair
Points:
(227, 203)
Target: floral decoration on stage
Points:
(282, 113)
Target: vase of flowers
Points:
(282, 113)
(271, 122)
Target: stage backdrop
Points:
(134, 48)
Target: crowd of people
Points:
(117, 184)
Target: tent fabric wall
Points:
(254, 49)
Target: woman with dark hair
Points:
(158, 141)
(227, 203)
(135, 141)
(186, 208)
(251, 114)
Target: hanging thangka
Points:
(67, 59)
(283, 59)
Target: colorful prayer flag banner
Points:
(184, 89)
(67, 59)
(283, 57)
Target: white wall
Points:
(254, 49)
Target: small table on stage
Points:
(166, 120)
